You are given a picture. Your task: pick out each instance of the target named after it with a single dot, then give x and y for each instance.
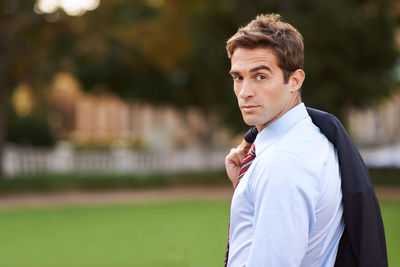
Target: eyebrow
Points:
(261, 67)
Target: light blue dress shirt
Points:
(287, 209)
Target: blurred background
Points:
(114, 95)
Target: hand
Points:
(233, 161)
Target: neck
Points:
(295, 101)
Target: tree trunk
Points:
(2, 123)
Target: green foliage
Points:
(107, 181)
(349, 55)
(30, 130)
(385, 176)
(27, 46)
(350, 52)
(175, 53)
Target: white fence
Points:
(63, 159)
(385, 156)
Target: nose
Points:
(246, 90)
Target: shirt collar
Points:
(270, 134)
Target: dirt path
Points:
(388, 192)
(139, 196)
(109, 197)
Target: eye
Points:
(260, 77)
(237, 78)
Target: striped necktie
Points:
(247, 162)
(245, 166)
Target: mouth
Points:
(248, 108)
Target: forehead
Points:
(244, 59)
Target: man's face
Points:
(259, 86)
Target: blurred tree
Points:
(31, 130)
(350, 52)
(133, 48)
(349, 57)
(16, 22)
(31, 51)
(174, 51)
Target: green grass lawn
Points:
(391, 219)
(185, 233)
(173, 233)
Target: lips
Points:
(248, 108)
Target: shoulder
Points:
(307, 142)
(300, 154)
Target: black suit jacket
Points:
(363, 240)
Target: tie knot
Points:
(252, 150)
(247, 161)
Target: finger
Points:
(230, 155)
(233, 157)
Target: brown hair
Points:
(271, 32)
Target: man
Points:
(287, 207)
(363, 240)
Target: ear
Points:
(296, 80)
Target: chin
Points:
(255, 122)
(250, 122)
